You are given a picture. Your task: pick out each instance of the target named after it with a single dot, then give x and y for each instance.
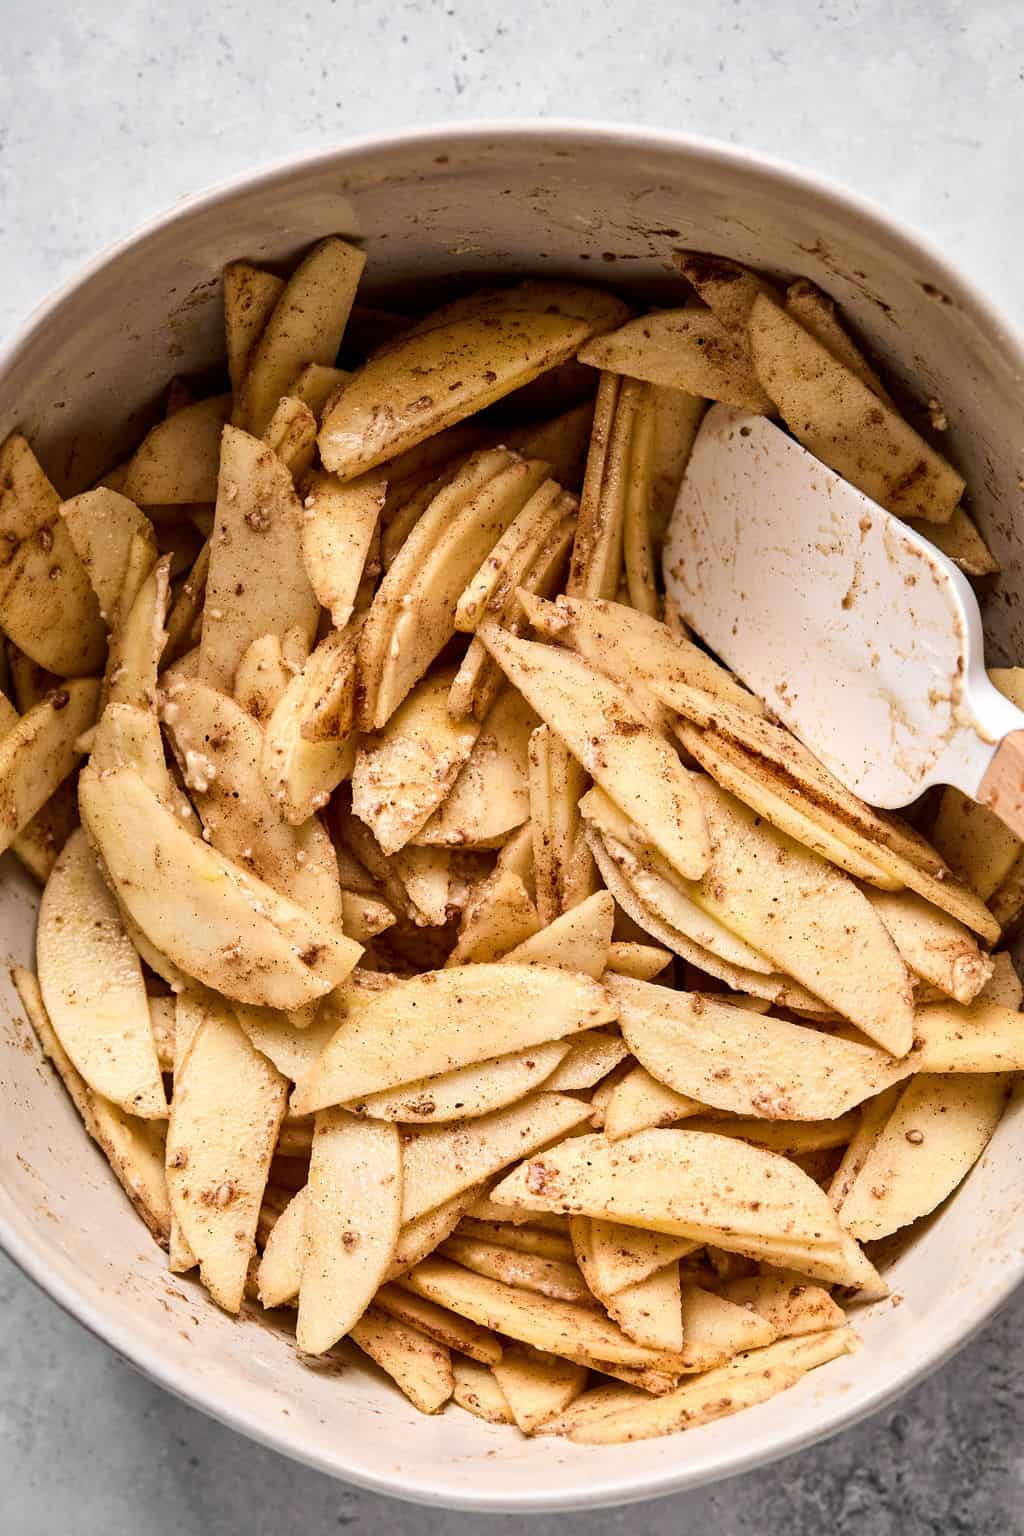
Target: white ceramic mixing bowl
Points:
(609, 206)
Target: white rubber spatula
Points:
(857, 633)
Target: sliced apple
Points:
(209, 916)
(468, 1092)
(134, 1148)
(935, 1133)
(256, 546)
(305, 326)
(225, 1116)
(688, 349)
(102, 525)
(747, 1064)
(641, 1102)
(220, 746)
(337, 535)
(177, 460)
(434, 377)
(250, 294)
(41, 750)
(353, 1206)
(578, 940)
(47, 605)
(840, 419)
(417, 1364)
(92, 985)
(489, 797)
(412, 616)
(610, 739)
(536, 1385)
(404, 772)
(560, 1279)
(799, 911)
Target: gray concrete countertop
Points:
(111, 112)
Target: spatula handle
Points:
(1002, 788)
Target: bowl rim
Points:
(106, 1325)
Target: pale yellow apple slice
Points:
(315, 384)
(656, 891)
(412, 616)
(477, 1391)
(418, 1239)
(438, 1323)
(225, 1116)
(442, 1161)
(47, 605)
(293, 1049)
(467, 1093)
(563, 875)
(686, 349)
(726, 287)
(742, 1383)
(839, 418)
(433, 378)
(256, 546)
(404, 772)
(816, 312)
(559, 1327)
(641, 961)
(591, 1057)
(219, 746)
(641, 1102)
(250, 294)
(578, 940)
(353, 1207)
(633, 648)
(442, 1020)
(40, 751)
(934, 945)
(610, 739)
(536, 1385)
(490, 796)
(305, 326)
(753, 1065)
(138, 641)
(773, 988)
(684, 1183)
(92, 985)
(650, 1310)
(597, 549)
(543, 1242)
(961, 541)
(790, 905)
(221, 924)
(620, 1258)
(134, 1148)
(934, 1134)
(291, 435)
(337, 533)
(309, 747)
(177, 460)
(417, 1364)
(742, 775)
(793, 1309)
(102, 524)
(508, 561)
(785, 767)
(560, 1279)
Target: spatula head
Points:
(857, 633)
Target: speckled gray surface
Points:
(110, 112)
